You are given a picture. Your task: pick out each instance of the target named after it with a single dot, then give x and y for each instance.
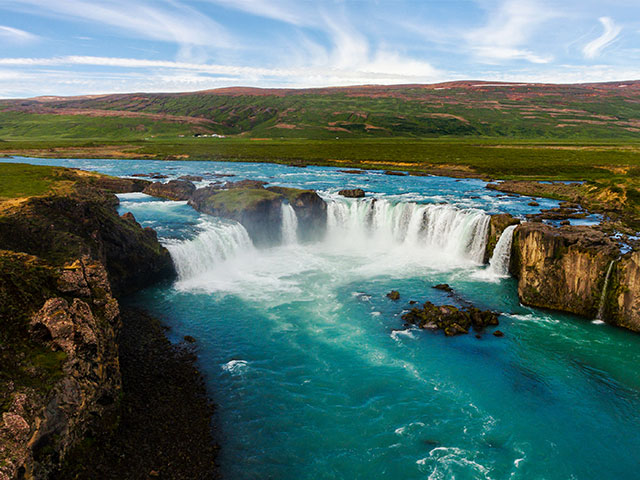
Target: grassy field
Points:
(493, 158)
(19, 180)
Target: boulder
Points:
(191, 178)
(394, 295)
(172, 190)
(452, 320)
(352, 193)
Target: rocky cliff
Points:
(65, 254)
(561, 268)
(622, 299)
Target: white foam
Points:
(235, 367)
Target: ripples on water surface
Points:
(314, 377)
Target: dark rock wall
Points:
(561, 268)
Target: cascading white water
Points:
(460, 233)
(289, 225)
(499, 262)
(218, 241)
(603, 296)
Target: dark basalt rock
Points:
(533, 203)
(172, 190)
(245, 183)
(394, 295)
(393, 172)
(310, 209)
(353, 172)
(443, 286)
(191, 178)
(561, 213)
(259, 209)
(352, 193)
(452, 320)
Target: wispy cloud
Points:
(15, 35)
(384, 68)
(611, 32)
(161, 20)
(508, 31)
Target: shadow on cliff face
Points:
(165, 425)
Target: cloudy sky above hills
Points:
(73, 47)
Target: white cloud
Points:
(57, 76)
(611, 32)
(159, 20)
(10, 34)
(508, 30)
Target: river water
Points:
(313, 373)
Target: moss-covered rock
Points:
(450, 319)
(61, 228)
(259, 209)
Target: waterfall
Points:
(453, 231)
(215, 243)
(603, 296)
(499, 262)
(289, 225)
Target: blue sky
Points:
(76, 47)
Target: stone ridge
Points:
(64, 258)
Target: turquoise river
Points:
(313, 373)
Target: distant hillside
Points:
(459, 109)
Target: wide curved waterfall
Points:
(456, 232)
(499, 262)
(289, 225)
(217, 242)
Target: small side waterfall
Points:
(499, 262)
(603, 296)
(289, 225)
(214, 244)
(456, 232)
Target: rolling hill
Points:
(453, 109)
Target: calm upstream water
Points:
(314, 376)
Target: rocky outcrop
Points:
(310, 209)
(77, 328)
(352, 193)
(259, 209)
(64, 257)
(58, 228)
(561, 268)
(497, 224)
(450, 319)
(172, 190)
